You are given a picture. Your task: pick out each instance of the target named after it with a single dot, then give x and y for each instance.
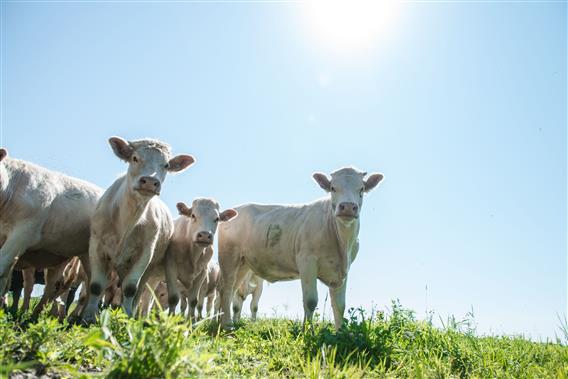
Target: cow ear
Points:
(121, 148)
(3, 154)
(183, 209)
(228, 214)
(180, 163)
(322, 180)
(372, 181)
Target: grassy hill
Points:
(394, 345)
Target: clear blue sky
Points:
(461, 105)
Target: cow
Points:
(208, 289)
(61, 282)
(251, 285)
(131, 226)
(311, 241)
(191, 248)
(161, 295)
(17, 284)
(45, 217)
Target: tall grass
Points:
(380, 344)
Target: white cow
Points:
(131, 227)
(208, 289)
(307, 242)
(190, 248)
(251, 285)
(44, 217)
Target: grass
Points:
(378, 345)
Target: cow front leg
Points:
(145, 297)
(237, 307)
(53, 284)
(183, 304)
(308, 277)
(83, 296)
(194, 293)
(337, 296)
(18, 241)
(200, 300)
(131, 284)
(229, 263)
(172, 282)
(211, 299)
(28, 275)
(99, 272)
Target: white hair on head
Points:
(205, 202)
(348, 170)
(149, 143)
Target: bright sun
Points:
(351, 24)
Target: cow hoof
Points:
(88, 320)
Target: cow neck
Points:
(130, 207)
(194, 250)
(9, 182)
(346, 236)
(196, 253)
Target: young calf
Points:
(131, 227)
(191, 248)
(208, 289)
(251, 285)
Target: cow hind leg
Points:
(308, 277)
(255, 299)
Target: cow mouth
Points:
(146, 192)
(347, 218)
(203, 243)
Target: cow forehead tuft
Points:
(149, 143)
(204, 203)
(347, 171)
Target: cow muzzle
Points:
(204, 239)
(347, 211)
(148, 186)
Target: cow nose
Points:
(348, 209)
(205, 237)
(150, 183)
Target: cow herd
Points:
(120, 242)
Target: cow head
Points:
(148, 163)
(205, 216)
(347, 186)
(3, 154)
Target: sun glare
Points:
(351, 24)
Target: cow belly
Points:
(40, 259)
(272, 266)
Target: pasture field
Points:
(379, 345)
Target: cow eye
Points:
(135, 159)
(193, 217)
(217, 219)
(332, 189)
(166, 166)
